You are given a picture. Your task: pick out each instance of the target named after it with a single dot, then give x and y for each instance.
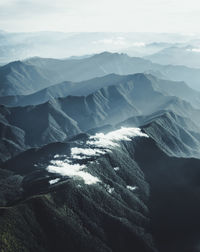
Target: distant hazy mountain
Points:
(15, 46)
(22, 78)
(106, 63)
(145, 50)
(188, 56)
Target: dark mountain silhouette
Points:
(119, 205)
(93, 214)
(174, 201)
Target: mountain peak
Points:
(110, 54)
(14, 63)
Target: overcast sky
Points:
(100, 15)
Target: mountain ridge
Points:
(45, 72)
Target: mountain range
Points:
(84, 88)
(99, 153)
(18, 78)
(177, 55)
(101, 195)
(21, 45)
(61, 118)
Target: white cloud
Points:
(96, 146)
(131, 188)
(81, 153)
(72, 170)
(110, 139)
(56, 156)
(194, 50)
(53, 181)
(118, 41)
(102, 143)
(139, 44)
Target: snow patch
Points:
(116, 168)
